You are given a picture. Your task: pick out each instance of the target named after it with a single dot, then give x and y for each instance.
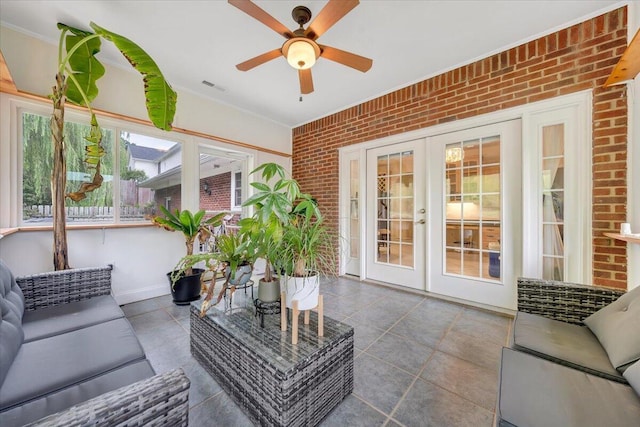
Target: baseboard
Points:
(141, 294)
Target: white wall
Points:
(32, 63)
(142, 256)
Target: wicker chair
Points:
(567, 302)
(160, 400)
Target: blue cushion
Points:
(50, 321)
(12, 309)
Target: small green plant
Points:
(192, 226)
(234, 250)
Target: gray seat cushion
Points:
(46, 322)
(11, 309)
(632, 374)
(537, 392)
(63, 399)
(565, 343)
(617, 326)
(52, 364)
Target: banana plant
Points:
(78, 72)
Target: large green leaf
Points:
(85, 67)
(160, 98)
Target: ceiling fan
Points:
(301, 49)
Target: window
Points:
(236, 190)
(37, 164)
(553, 202)
(139, 173)
(557, 185)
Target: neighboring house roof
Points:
(139, 152)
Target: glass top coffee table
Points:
(274, 381)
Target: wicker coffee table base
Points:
(275, 382)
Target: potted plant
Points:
(306, 250)
(237, 252)
(185, 279)
(272, 208)
(77, 73)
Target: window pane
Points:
(472, 200)
(37, 168)
(150, 175)
(552, 175)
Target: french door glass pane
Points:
(473, 211)
(394, 209)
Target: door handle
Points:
(421, 221)
(422, 211)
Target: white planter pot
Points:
(303, 289)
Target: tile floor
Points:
(418, 361)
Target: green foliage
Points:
(234, 250)
(282, 213)
(134, 175)
(83, 70)
(190, 225)
(38, 158)
(307, 245)
(86, 69)
(160, 98)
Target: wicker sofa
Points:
(574, 358)
(69, 357)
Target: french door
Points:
(475, 217)
(395, 214)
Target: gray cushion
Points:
(11, 309)
(571, 345)
(63, 399)
(538, 392)
(632, 374)
(46, 322)
(617, 326)
(51, 364)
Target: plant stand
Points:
(263, 308)
(296, 314)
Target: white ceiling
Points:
(203, 40)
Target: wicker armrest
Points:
(162, 400)
(64, 286)
(567, 302)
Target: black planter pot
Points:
(186, 288)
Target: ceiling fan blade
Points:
(349, 59)
(259, 60)
(306, 81)
(258, 13)
(329, 15)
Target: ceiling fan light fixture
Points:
(301, 52)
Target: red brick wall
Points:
(573, 59)
(220, 188)
(218, 200)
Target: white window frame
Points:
(577, 192)
(234, 206)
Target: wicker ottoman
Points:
(276, 382)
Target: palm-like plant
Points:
(192, 226)
(78, 72)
